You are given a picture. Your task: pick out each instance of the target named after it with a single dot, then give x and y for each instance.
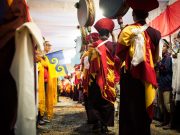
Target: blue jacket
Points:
(165, 73)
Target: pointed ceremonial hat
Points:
(104, 23)
(94, 36)
(143, 5)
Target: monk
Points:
(14, 14)
(101, 91)
(138, 78)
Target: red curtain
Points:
(169, 20)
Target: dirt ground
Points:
(160, 131)
(70, 119)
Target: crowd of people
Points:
(99, 79)
(144, 85)
(168, 91)
(129, 69)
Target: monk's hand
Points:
(113, 37)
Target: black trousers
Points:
(101, 109)
(8, 99)
(176, 117)
(133, 119)
(76, 94)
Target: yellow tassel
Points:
(10, 2)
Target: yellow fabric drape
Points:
(150, 94)
(92, 55)
(110, 78)
(72, 88)
(51, 89)
(10, 2)
(55, 90)
(41, 89)
(96, 64)
(125, 39)
(67, 86)
(61, 86)
(85, 72)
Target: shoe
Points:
(41, 122)
(161, 125)
(41, 127)
(167, 127)
(96, 127)
(90, 122)
(46, 121)
(104, 129)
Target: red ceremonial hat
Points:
(94, 36)
(66, 77)
(77, 66)
(104, 23)
(144, 5)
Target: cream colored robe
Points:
(22, 69)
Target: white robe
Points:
(176, 77)
(22, 70)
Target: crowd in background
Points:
(97, 80)
(166, 107)
(167, 104)
(96, 86)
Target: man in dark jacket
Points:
(165, 84)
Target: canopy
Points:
(168, 21)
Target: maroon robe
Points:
(13, 17)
